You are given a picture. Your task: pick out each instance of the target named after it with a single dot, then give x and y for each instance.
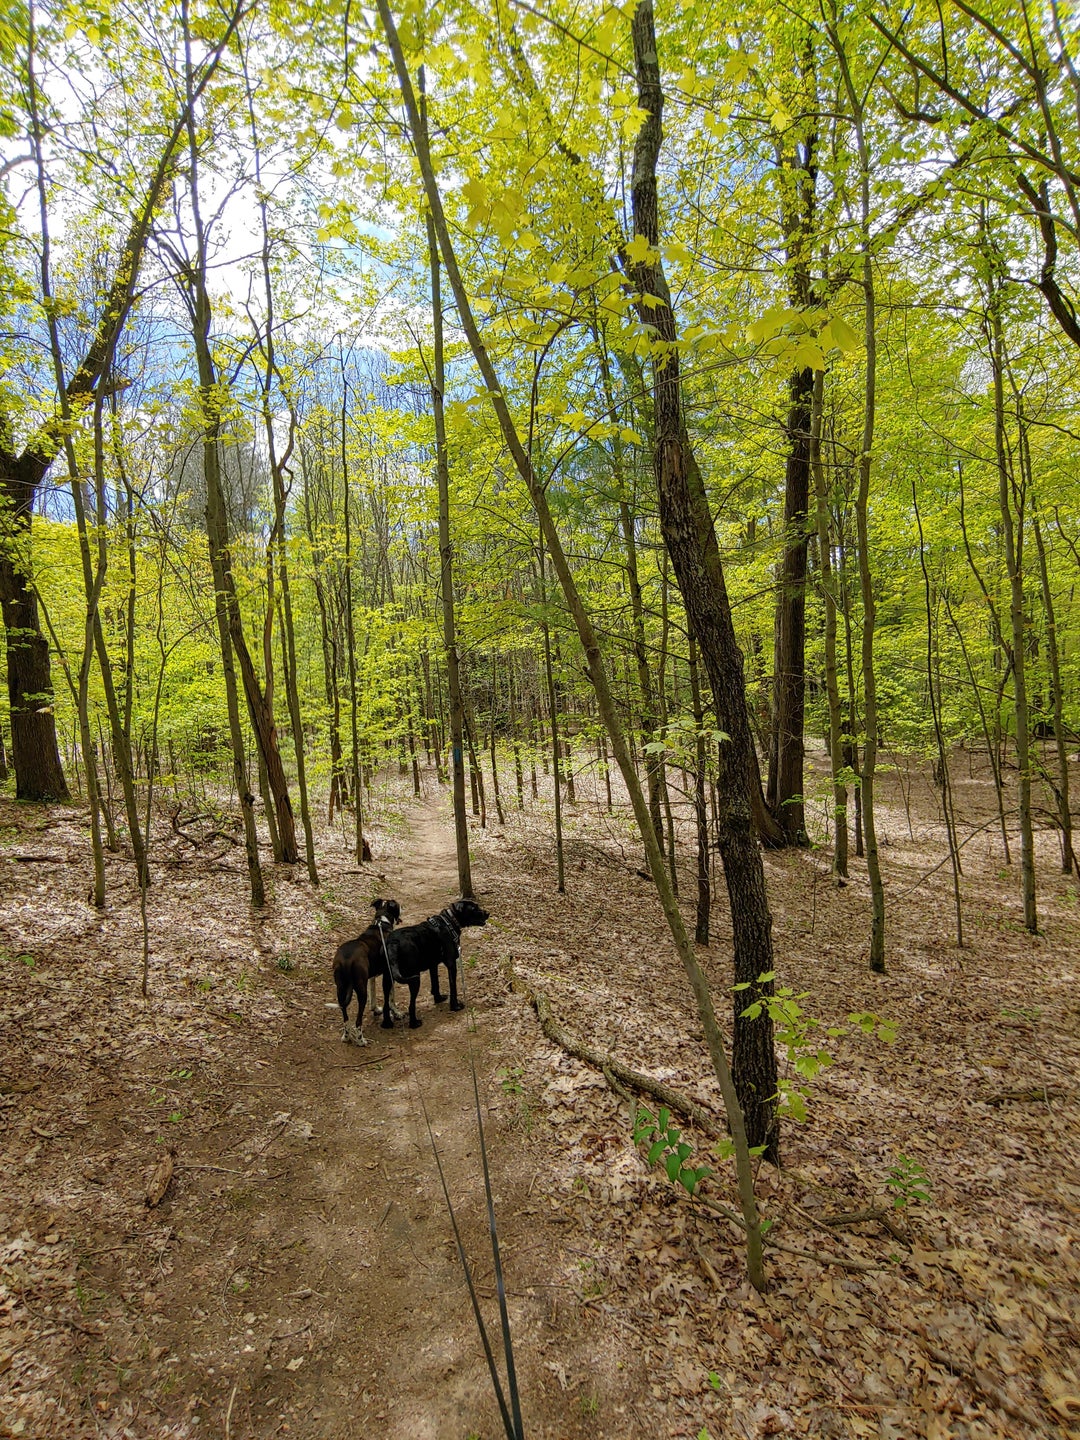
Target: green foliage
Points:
(667, 1148)
(907, 1183)
(797, 1034)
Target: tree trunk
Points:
(832, 686)
(446, 575)
(691, 542)
(597, 670)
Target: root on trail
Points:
(613, 1070)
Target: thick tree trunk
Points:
(690, 538)
(785, 784)
(446, 580)
(796, 172)
(701, 808)
(35, 755)
(832, 684)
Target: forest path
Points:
(357, 1320)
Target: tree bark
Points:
(446, 572)
(832, 686)
(690, 538)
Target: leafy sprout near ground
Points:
(668, 1148)
(797, 1034)
(908, 1183)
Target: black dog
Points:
(434, 942)
(358, 960)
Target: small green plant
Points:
(510, 1079)
(181, 1074)
(25, 959)
(797, 1032)
(907, 1183)
(1031, 1014)
(285, 962)
(667, 1148)
(589, 1405)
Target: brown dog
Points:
(362, 959)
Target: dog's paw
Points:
(387, 1023)
(351, 1035)
(439, 999)
(415, 1024)
(457, 1005)
(395, 1013)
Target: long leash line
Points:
(518, 1432)
(504, 1317)
(512, 1433)
(406, 1070)
(512, 1425)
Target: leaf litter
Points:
(266, 1284)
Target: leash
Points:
(386, 960)
(511, 1416)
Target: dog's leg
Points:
(361, 1000)
(451, 970)
(414, 989)
(344, 986)
(436, 993)
(388, 1000)
(388, 1009)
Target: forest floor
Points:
(299, 1277)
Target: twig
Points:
(609, 1066)
(707, 1266)
(857, 1217)
(1045, 1093)
(860, 1266)
(228, 1412)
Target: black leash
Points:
(518, 1432)
(512, 1423)
(511, 1432)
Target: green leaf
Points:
(839, 334)
(638, 250)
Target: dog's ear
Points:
(376, 903)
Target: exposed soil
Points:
(299, 1277)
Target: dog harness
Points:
(443, 923)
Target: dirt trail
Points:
(386, 1343)
(299, 1278)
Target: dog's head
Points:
(468, 912)
(387, 912)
